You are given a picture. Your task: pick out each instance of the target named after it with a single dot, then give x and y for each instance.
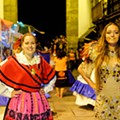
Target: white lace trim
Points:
(23, 60)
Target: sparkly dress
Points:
(17, 72)
(108, 99)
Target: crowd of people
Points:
(36, 72)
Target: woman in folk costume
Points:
(85, 94)
(4, 96)
(61, 72)
(24, 73)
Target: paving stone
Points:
(67, 109)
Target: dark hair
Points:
(61, 53)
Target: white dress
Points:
(82, 100)
(83, 92)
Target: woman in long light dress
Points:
(107, 74)
(85, 95)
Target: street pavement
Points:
(66, 109)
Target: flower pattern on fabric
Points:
(108, 100)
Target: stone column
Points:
(72, 22)
(10, 10)
(1, 9)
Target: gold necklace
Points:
(32, 70)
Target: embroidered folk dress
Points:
(108, 99)
(17, 72)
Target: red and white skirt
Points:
(28, 106)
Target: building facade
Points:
(9, 10)
(84, 18)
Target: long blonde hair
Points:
(102, 49)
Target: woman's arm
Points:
(8, 91)
(5, 90)
(86, 78)
(49, 87)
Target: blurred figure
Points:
(85, 95)
(72, 59)
(61, 72)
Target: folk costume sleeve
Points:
(5, 90)
(49, 87)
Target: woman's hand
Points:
(93, 85)
(15, 93)
(41, 91)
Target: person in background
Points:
(24, 82)
(45, 53)
(6, 53)
(60, 43)
(72, 59)
(61, 72)
(85, 95)
(106, 59)
(17, 46)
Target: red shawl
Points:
(19, 76)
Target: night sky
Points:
(45, 15)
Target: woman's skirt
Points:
(62, 79)
(71, 78)
(83, 89)
(28, 106)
